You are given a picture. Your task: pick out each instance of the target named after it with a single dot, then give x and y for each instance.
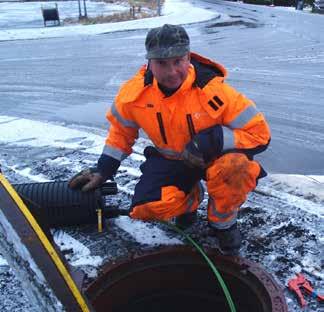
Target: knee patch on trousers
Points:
(173, 203)
(234, 171)
(229, 180)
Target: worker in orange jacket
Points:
(200, 127)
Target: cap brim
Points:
(168, 52)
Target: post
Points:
(159, 7)
(300, 5)
(79, 5)
(85, 9)
(58, 16)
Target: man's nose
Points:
(172, 69)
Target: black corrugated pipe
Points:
(55, 204)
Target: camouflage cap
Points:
(167, 41)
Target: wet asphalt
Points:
(273, 56)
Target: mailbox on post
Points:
(51, 14)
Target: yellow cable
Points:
(48, 246)
(99, 217)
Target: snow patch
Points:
(173, 12)
(13, 238)
(306, 186)
(137, 157)
(312, 268)
(26, 172)
(21, 14)
(3, 261)
(299, 202)
(131, 171)
(60, 161)
(19, 255)
(75, 252)
(145, 233)
(34, 133)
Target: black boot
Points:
(229, 240)
(186, 220)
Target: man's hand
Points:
(91, 178)
(87, 180)
(192, 156)
(204, 147)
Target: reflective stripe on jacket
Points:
(203, 100)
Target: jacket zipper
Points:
(191, 126)
(162, 130)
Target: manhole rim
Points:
(111, 272)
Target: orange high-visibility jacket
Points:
(203, 100)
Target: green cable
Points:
(210, 263)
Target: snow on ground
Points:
(144, 234)
(77, 254)
(16, 131)
(282, 221)
(306, 10)
(25, 132)
(3, 262)
(29, 15)
(81, 254)
(303, 185)
(173, 12)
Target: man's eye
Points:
(179, 61)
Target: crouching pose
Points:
(201, 128)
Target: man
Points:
(201, 128)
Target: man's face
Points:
(170, 72)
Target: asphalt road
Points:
(273, 56)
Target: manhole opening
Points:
(180, 282)
(188, 288)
